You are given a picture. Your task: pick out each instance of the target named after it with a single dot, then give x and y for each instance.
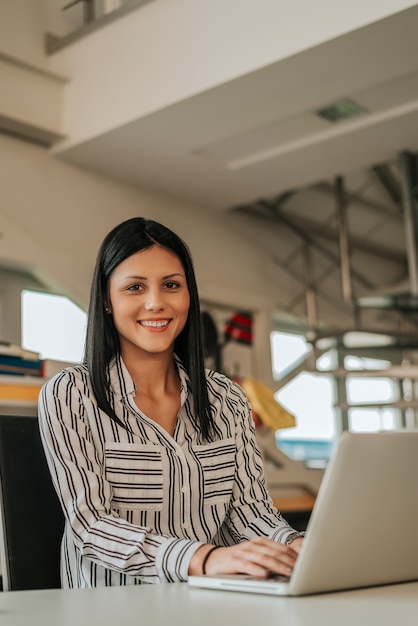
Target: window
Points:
(372, 391)
(310, 397)
(53, 326)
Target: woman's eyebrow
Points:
(163, 277)
(173, 275)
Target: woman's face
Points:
(149, 301)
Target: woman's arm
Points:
(252, 512)
(78, 474)
(260, 532)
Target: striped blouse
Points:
(139, 502)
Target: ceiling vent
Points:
(341, 110)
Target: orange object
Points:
(19, 391)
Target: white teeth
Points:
(155, 324)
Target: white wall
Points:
(54, 217)
(22, 29)
(25, 23)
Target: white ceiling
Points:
(259, 135)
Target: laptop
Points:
(363, 529)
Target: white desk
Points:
(176, 604)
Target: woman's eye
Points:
(135, 287)
(172, 285)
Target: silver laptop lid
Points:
(362, 531)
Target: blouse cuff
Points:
(283, 535)
(173, 559)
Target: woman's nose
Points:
(154, 301)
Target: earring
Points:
(107, 309)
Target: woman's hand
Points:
(258, 557)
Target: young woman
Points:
(153, 458)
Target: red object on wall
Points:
(240, 328)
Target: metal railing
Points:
(94, 15)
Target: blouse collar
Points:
(122, 384)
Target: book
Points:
(13, 349)
(17, 365)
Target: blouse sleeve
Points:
(77, 471)
(252, 512)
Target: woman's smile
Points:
(155, 324)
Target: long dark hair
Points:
(102, 340)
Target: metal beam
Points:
(341, 207)
(410, 219)
(360, 244)
(337, 304)
(311, 310)
(365, 203)
(390, 184)
(279, 217)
